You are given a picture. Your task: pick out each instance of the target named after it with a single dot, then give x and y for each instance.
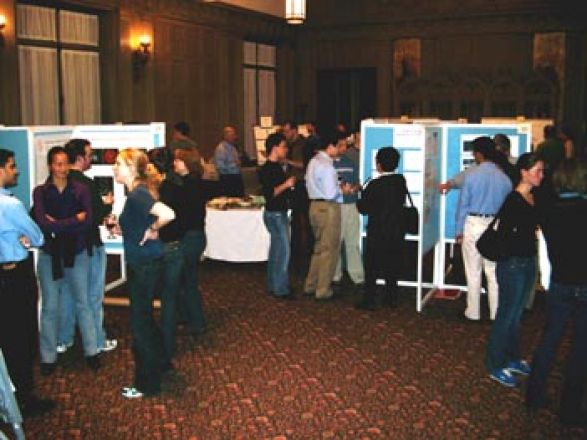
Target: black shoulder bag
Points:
(492, 244)
(411, 217)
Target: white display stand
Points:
(432, 153)
(420, 149)
(31, 145)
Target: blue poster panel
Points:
(16, 140)
(459, 156)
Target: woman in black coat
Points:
(563, 225)
(382, 201)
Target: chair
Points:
(9, 411)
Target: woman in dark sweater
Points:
(565, 216)
(170, 235)
(518, 220)
(142, 217)
(277, 191)
(191, 217)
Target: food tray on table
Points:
(249, 202)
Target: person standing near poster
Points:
(382, 200)
(324, 192)
(18, 290)
(518, 222)
(350, 233)
(63, 211)
(483, 192)
(142, 217)
(79, 153)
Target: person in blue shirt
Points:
(18, 290)
(350, 233)
(484, 191)
(228, 164)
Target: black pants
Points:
(19, 334)
(381, 263)
(147, 341)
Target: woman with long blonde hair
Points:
(142, 217)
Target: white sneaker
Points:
(109, 345)
(62, 348)
(131, 393)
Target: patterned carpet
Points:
(271, 369)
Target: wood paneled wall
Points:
(488, 43)
(195, 73)
(198, 78)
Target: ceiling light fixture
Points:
(295, 11)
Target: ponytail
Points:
(145, 171)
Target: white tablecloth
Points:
(237, 235)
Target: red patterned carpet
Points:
(270, 369)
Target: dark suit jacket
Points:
(382, 201)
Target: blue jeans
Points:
(142, 281)
(96, 285)
(172, 270)
(566, 304)
(515, 277)
(276, 223)
(192, 247)
(76, 280)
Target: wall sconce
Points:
(141, 55)
(2, 26)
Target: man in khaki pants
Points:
(324, 192)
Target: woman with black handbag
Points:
(518, 221)
(382, 200)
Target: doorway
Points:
(345, 95)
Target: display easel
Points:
(31, 145)
(420, 148)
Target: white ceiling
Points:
(271, 7)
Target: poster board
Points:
(31, 145)
(16, 139)
(458, 155)
(420, 162)
(536, 124)
(260, 134)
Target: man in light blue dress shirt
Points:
(18, 290)
(484, 191)
(228, 164)
(325, 195)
